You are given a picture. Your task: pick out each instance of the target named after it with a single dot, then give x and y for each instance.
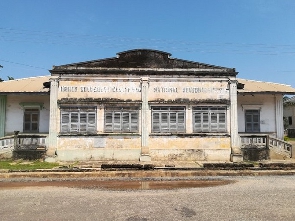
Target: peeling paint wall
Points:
(15, 112)
(162, 91)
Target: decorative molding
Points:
(251, 106)
(38, 105)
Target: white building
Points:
(144, 105)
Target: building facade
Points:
(145, 105)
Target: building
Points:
(144, 105)
(289, 116)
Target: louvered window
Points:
(209, 119)
(121, 120)
(78, 120)
(168, 119)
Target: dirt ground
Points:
(248, 198)
(117, 184)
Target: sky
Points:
(256, 37)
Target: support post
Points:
(52, 138)
(144, 155)
(279, 117)
(3, 99)
(236, 153)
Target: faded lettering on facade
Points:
(97, 89)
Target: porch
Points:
(24, 146)
(264, 147)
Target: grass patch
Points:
(291, 139)
(26, 165)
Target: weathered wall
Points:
(15, 113)
(99, 148)
(266, 104)
(174, 91)
(289, 111)
(129, 147)
(193, 148)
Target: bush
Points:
(286, 138)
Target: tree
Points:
(1, 78)
(9, 77)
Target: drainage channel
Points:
(120, 184)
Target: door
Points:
(252, 121)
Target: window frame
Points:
(31, 121)
(168, 119)
(252, 122)
(211, 119)
(78, 120)
(121, 119)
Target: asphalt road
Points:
(249, 198)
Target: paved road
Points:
(250, 198)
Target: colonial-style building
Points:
(289, 116)
(144, 105)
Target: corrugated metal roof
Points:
(251, 86)
(25, 85)
(35, 85)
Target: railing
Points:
(280, 145)
(7, 143)
(265, 140)
(30, 142)
(254, 140)
(23, 146)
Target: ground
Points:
(248, 198)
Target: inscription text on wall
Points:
(105, 89)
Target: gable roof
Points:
(260, 87)
(25, 85)
(141, 61)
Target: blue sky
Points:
(257, 37)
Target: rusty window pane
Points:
(121, 120)
(78, 120)
(168, 119)
(209, 119)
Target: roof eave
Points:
(266, 92)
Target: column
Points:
(236, 153)
(52, 139)
(3, 99)
(279, 116)
(144, 156)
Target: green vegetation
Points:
(26, 165)
(286, 138)
(291, 139)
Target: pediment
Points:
(141, 59)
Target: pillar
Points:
(236, 153)
(279, 116)
(3, 99)
(144, 156)
(52, 138)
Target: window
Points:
(290, 120)
(121, 119)
(168, 119)
(252, 121)
(78, 120)
(209, 119)
(31, 120)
